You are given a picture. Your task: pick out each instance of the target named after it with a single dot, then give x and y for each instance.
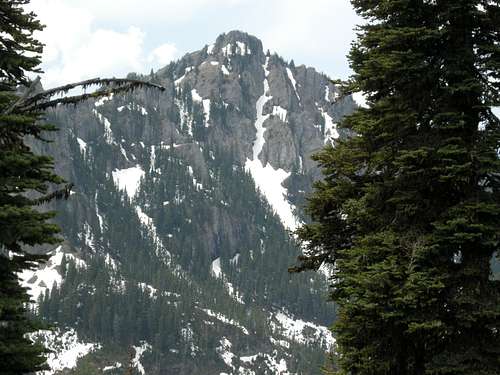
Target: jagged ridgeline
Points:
(177, 237)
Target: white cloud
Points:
(316, 28)
(102, 52)
(138, 11)
(87, 38)
(163, 54)
(76, 49)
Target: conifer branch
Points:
(75, 99)
(117, 82)
(63, 193)
(24, 96)
(41, 101)
(346, 88)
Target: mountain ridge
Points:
(176, 237)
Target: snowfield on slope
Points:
(65, 349)
(268, 180)
(43, 278)
(128, 179)
(301, 331)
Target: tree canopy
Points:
(408, 211)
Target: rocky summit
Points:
(177, 238)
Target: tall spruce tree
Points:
(408, 212)
(20, 171)
(27, 179)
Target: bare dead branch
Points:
(41, 101)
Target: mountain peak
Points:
(236, 42)
(237, 35)
(182, 211)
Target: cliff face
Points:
(176, 244)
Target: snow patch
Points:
(259, 123)
(117, 365)
(215, 268)
(326, 270)
(280, 112)
(330, 131)
(224, 69)
(128, 179)
(133, 107)
(227, 50)
(110, 262)
(233, 292)
(294, 83)
(243, 49)
(196, 97)
(225, 320)
(224, 350)
(88, 237)
(47, 275)
(178, 81)
(150, 290)
(65, 349)
(108, 133)
(186, 117)
(206, 105)
(301, 331)
(235, 260)
(198, 186)
(239, 49)
(206, 111)
(360, 99)
(250, 358)
(278, 367)
(139, 351)
(83, 146)
(103, 99)
(152, 159)
(99, 216)
(118, 284)
(123, 152)
(269, 181)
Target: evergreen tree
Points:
(409, 210)
(20, 171)
(17, 39)
(25, 178)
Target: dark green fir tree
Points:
(408, 212)
(27, 179)
(20, 171)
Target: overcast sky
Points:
(88, 38)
